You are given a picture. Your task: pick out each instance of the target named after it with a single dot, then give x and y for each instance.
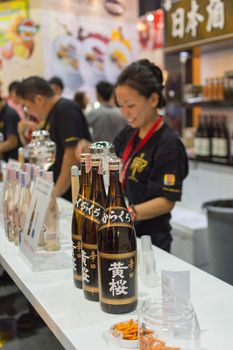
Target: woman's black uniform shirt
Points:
(157, 170)
(66, 125)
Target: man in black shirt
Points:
(8, 127)
(65, 122)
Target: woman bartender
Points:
(154, 159)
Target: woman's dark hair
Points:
(145, 77)
(32, 86)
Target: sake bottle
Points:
(93, 214)
(78, 215)
(117, 251)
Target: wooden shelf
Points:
(215, 161)
(218, 104)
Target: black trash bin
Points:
(220, 238)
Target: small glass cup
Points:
(112, 339)
(171, 323)
(148, 273)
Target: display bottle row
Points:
(104, 240)
(214, 89)
(212, 139)
(17, 191)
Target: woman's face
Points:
(138, 110)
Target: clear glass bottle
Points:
(16, 209)
(5, 196)
(21, 156)
(78, 216)
(25, 199)
(10, 205)
(117, 251)
(41, 173)
(93, 214)
(16, 196)
(51, 224)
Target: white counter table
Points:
(78, 323)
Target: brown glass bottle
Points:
(93, 214)
(78, 215)
(117, 251)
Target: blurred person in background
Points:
(57, 85)
(63, 119)
(13, 100)
(82, 100)
(8, 127)
(105, 120)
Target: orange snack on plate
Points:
(129, 329)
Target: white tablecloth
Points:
(79, 324)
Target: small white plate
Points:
(124, 343)
(130, 344)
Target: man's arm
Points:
(63, 181)
(10, 143)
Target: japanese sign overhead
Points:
(196, 22)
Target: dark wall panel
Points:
(148, 5)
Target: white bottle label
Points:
(197, 146)
(215, 146)
(222, 148)
(205, 146)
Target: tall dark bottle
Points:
(117, 251)
(224, 140)
(93, 214)
(78, 216)
(205, 141)
(198, 139)
(215, 141)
